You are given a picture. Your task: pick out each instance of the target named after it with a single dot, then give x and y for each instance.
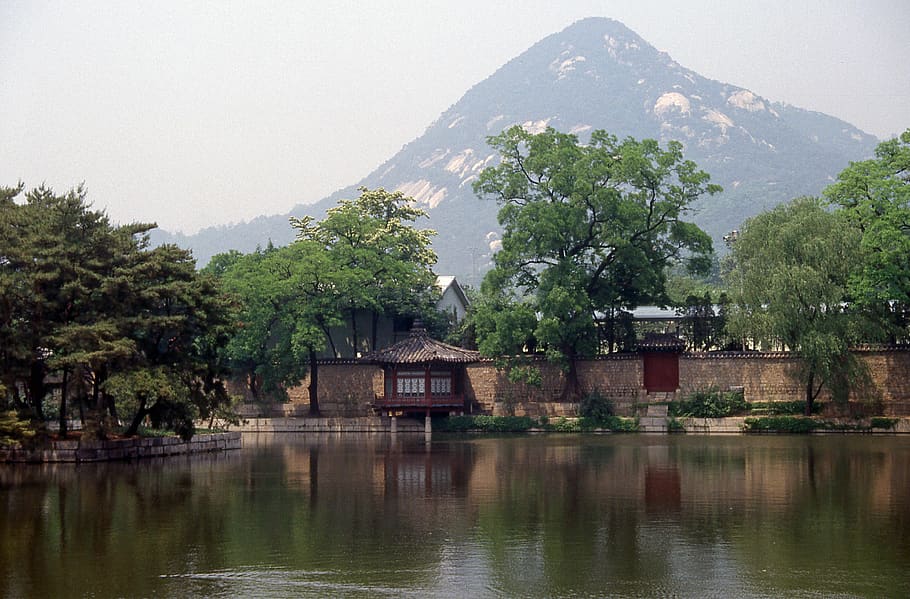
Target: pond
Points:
(527, 516)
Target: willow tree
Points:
(790, 288)
(588, 230)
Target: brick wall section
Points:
(345, 389)
(768, 377)
(348, 388)
(617, 377)
(763, 377)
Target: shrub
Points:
(489, 424)
(709, 403)
(675, 426)
(14, 430)
(455, 424)
(596, 406)
(780, 424)
(775, 408)
(882, 422)
(564, 425)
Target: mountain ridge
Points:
(595, 74)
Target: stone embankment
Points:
(123, 449)
(365, 424)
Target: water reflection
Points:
(316, 515)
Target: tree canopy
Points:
(589, 229)
(91, 301)
(874, 196)
(365, 257)
(790, 285)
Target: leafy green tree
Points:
(90, 300)
(268, 286)
(789, 285)
(366, 255)
(384, 262)
(874, 195)
(589, 230)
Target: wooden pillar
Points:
(427, 395)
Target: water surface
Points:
(526, 516)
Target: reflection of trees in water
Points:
(850, 509)
(97, 528)
(551, 515)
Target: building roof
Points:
(443, 282)
(661, 342)
(420, 348)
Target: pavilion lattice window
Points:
(411, 384)
(441, 383)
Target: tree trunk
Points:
(141, 413)
(314, 384)
(252, 384)
(572, 389)
(63, 389)
(810, 397)
(36, 388)
(354, 338)
(111, 406)
(375, 330)
(328, 336)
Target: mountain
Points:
(595, 74)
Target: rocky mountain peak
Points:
(595, 74)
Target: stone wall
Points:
(762, 376)
(768, 377)
(347, 388)
(123, 449)
(490, 391)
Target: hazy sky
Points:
(190, 114)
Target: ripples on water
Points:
(544, 516)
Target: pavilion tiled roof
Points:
(420, 348)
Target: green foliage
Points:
(883, 422)
(518, 424)
(597, 407)
(90, 300)
(379, 261)
(588, 229)
(789, 284)
(565, 425)
(487, 424)
(365, 256)
(702, 326)
(874, 196)
(675, 426)
(777, 408)
(709, 403)
(15, 430)
(588, 424)
(780, 424)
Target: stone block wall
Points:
(763, 376)
(490, 391)
(347, 388)
(768, 377)
(123, 449)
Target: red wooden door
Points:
(661, 371)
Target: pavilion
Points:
(422, 375)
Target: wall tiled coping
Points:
(123, 449)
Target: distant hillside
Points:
(595, 74)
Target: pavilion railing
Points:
(434, 401)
